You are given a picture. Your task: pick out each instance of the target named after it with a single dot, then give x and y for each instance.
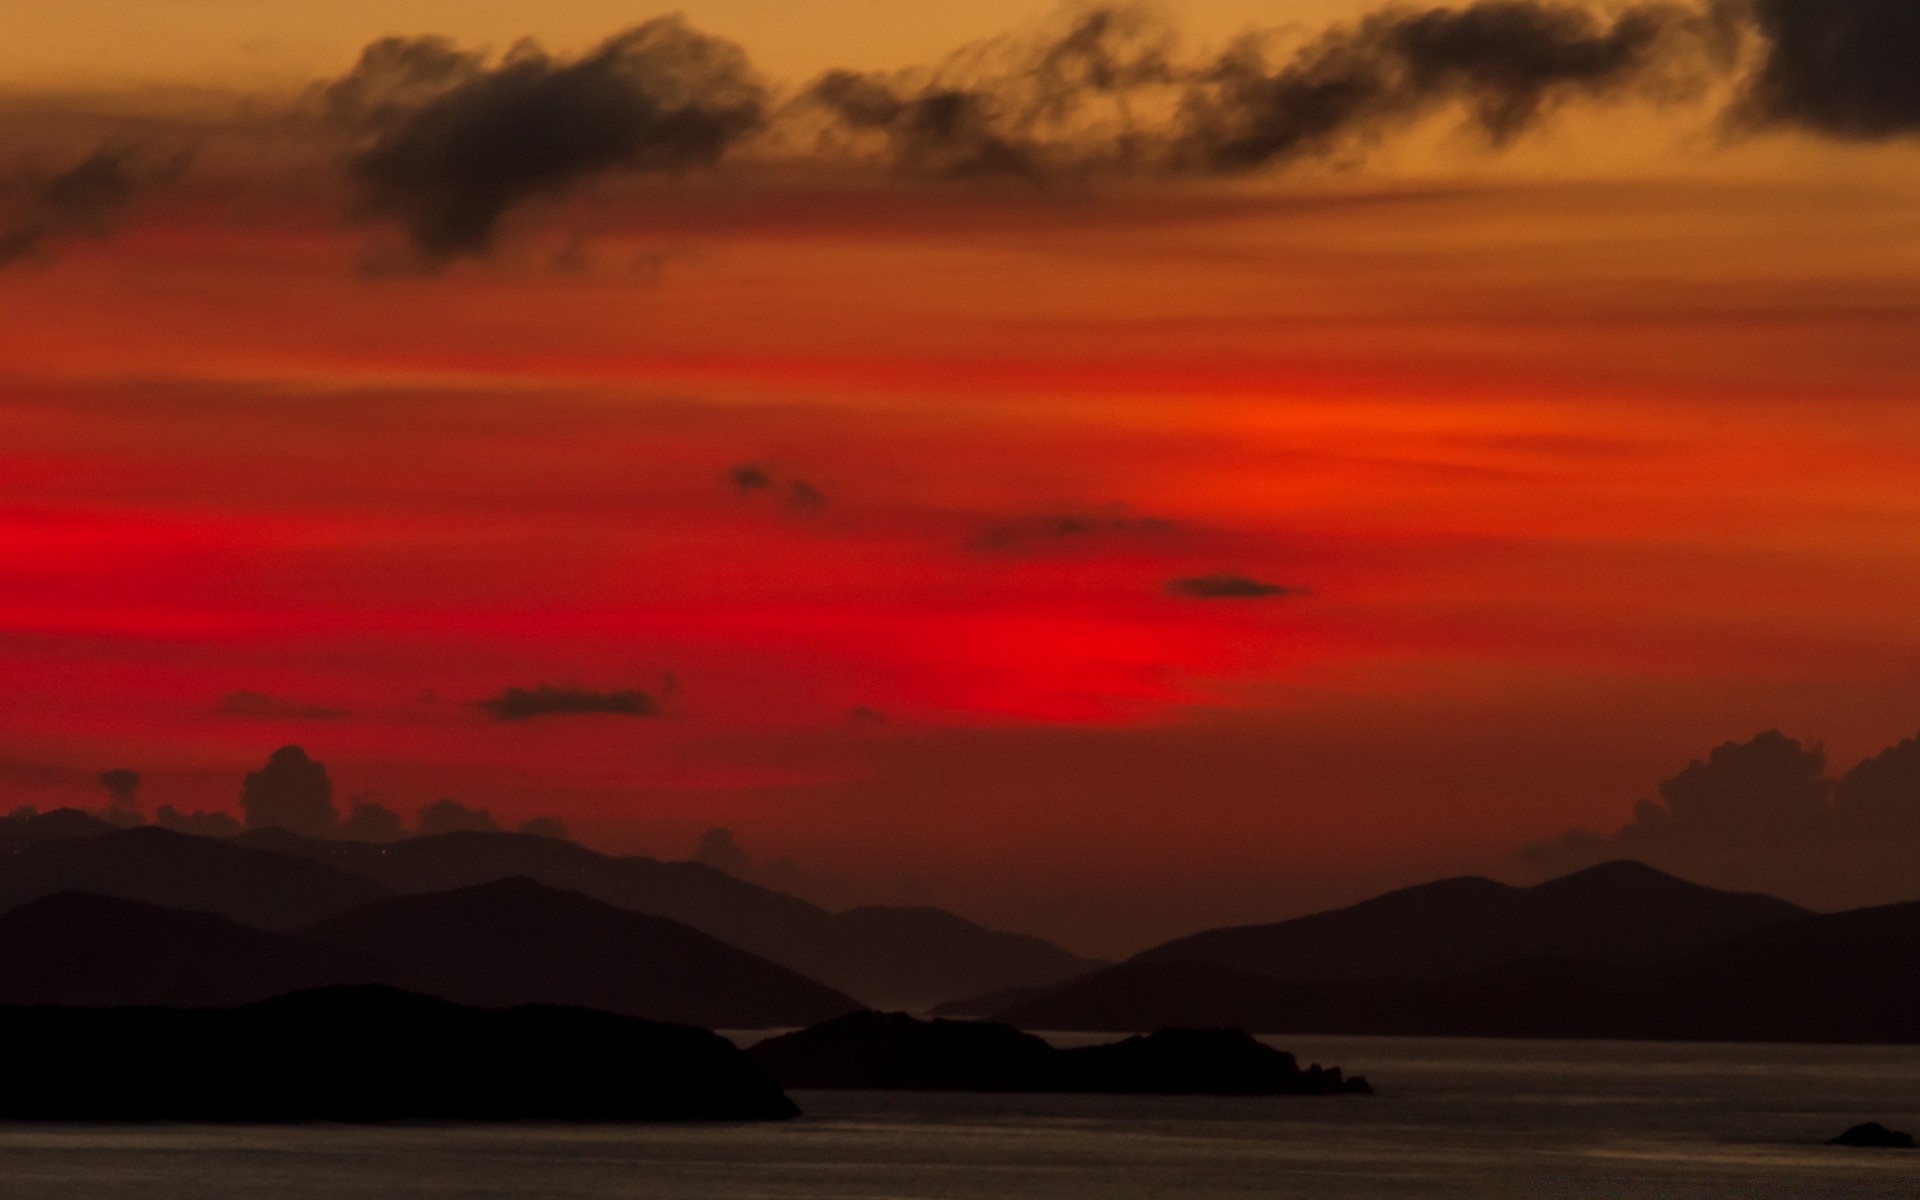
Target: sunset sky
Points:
(1101, 544)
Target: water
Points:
(1487, 1120)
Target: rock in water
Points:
(1874, 1136)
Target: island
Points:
(894, 1051)
(372, 1054)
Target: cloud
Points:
(122, 785)
(370, 821)
(1072, 527)
(1844, 68)
(749, 478)
(1230, 587)
(291, 792)
(204, 824)
(448, 816)
(1507, 62)
(1111, 92)
(83, 200)
(524, 704)
(450, 144)
(1764, 814)
(260, 705)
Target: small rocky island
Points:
(893, 1051)
(1874, 1136)
(369, 1054)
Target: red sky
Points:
(1577, 465)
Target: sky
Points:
(1201, 482)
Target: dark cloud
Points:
(718, 849)
(450, 143)
(1765, 815)
(1845, 68)
(122, 785)
(448, 816)
(1505, 61)
(524, 704)
(260, 705)
(806, 497)
(1230, 587)
(1111, 92)
(83, 200)
(1072, 527)
(864, 714)
(370, 821)
(749, 478)
(291, 792)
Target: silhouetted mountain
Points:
(892, 1051)
(903, 956)
(976, 1007)
(371, 1054)
(32, 828)
(1847, 977)
(178, 870)
(77, 948)
(514, 941)
(1620, 913)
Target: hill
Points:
(182, 871)
(1622, 914)
(371, 1054)
(77, 948)
(515, 941)
(909, 957)
(1845, 977)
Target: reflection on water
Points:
(1488, 1120)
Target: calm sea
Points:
(1487, 1120)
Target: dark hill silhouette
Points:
(1845, 977)
(910, 957)
(371, 1054)
(1621, 913)
(515, 941)
(178, 870)
(77, 948)
(31, 828)
(892, 1051)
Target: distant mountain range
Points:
(274, 880)
(1618, 951)
(889, 957)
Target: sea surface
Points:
(1487, 1120)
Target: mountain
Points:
(892, 1051)
(907, 957)
(77, 948)
(371, 1054)
(1846, 977)
(514, 941)
(178, 870)
(29, 828)
(1621, 913)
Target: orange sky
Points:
(1580, 465)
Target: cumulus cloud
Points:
(368, 820)
(83, 200)
(1844, 68)
(749, 478)
(450, 143)
(546, 700)
(291, 792)
(123, 789)
(260, 705)
(1766, 815)
(1230, 587)
(450, 816)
